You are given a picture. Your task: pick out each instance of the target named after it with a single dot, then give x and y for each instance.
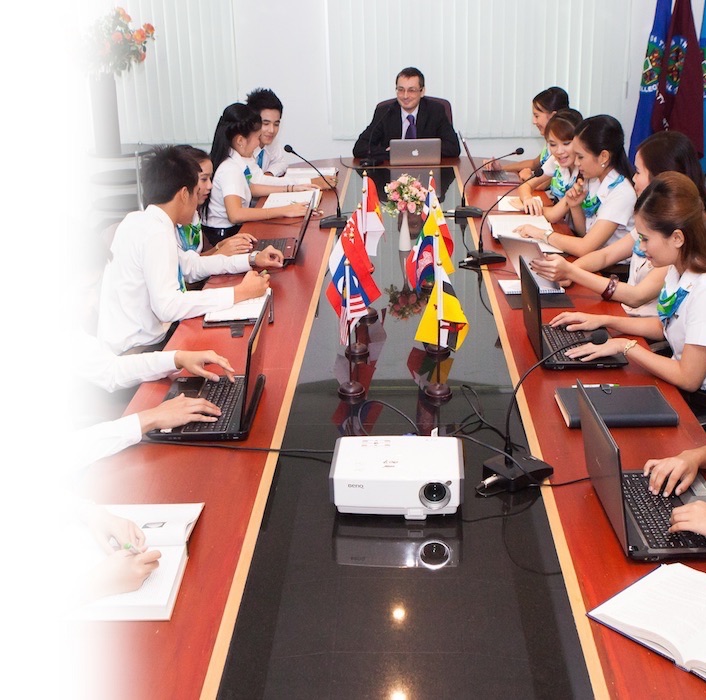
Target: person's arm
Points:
(372, 140)
(238, 214)
(450, 145)
(599, 233)
(238, 244)
(515, 166)
(604, 257)
(690, 517)
(557, 268)
(675, 473)
(526, 194)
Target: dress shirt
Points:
(617, 204)
(140, 295)
(274, 160)
(230, 179)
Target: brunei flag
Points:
(443, 322)
(421, 259)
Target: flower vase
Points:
(104, 104)
(404, 242)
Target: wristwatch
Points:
(251, 258)
(547, 234)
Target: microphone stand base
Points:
(477, 258)
(351, 392)
(535, 471)
(371, 162)
(333, 222)
(467, 213)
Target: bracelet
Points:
(610, 289)
(629, 346)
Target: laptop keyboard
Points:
(652, 514)
(225, 395)
(557, 337)
(496, 175)
(278, 243)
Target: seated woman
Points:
(190, 236)
(669, 217)
(559, 170)
(544, 106)
(665, 150)
(236, 138)
(602, 200)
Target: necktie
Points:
(411, 132)
(260, 157)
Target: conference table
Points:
(283, 597)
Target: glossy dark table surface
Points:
(349, 606)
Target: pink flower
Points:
(117, 37)
(411, 207)
(394, 196)
(401, 206)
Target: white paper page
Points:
(240, 311)
(282, 199)
(162, 523)
(514, 203)
(504, 224)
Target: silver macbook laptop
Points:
(490, 177)
(639, 519)
(415, 151)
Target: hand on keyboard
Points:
(177, 412)
(689, 518)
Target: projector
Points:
(408, 475)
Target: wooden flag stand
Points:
(437, 391)
(353, 391)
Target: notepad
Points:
(664, 611)
(514, 203)
(619, 406)
(248, 310)
(505, 225)
(304, 175)
(167, 527)
(282, 199)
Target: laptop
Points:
(529, 249)
(415, 151)
(490, 177)
(639, 519)
(290, 245)
(545, 338)
(237, 400)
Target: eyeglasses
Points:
(408, 91)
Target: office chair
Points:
(441, 100)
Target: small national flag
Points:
(421, 259)
(370, 221)
(702, 44)
(651, 68)
(443, 322)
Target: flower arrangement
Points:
(404, 302)
(113, 47)
(405, 194)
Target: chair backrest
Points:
(441, 100)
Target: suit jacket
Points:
(386, 124)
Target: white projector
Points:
(408, 475)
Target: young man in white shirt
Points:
(143, 290)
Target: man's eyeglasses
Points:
(408, 91)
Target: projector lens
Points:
(434, 495)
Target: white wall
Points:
(292, 60)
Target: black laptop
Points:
(490, 177)
(237, 400)
(639, 519)
(290, 245)
(545, 339)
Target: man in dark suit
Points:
(412, 116)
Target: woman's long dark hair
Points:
(604, 133)
(237, 120)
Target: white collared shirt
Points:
(140, 295)
(617, 204)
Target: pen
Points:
(131, 548)
(263, 272)
(595, 386)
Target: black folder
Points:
(619, 406)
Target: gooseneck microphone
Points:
(337, 221)
(466, 212)
(516, 472)
(476, 258)
(371, 161)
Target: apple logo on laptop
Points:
(415, 152)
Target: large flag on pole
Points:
(702, 45)
(370, 221)
(651, 68)
(443, 321)
(679, 102)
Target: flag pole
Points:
(371, 314)
(352, 390)
(437, 391)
